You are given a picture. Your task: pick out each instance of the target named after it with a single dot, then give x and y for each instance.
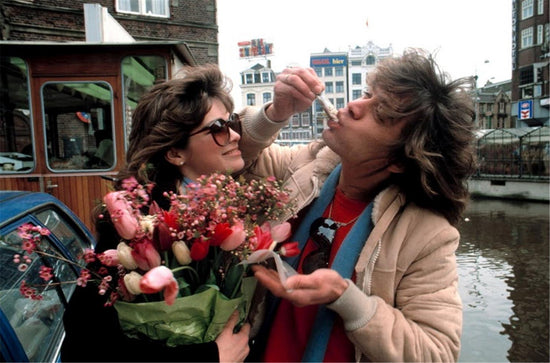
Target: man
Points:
(379, 199)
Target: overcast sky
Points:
(463, 34)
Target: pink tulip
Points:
(146, 255)
(158, 279)
(281, 232)
(235, 239)
(120, 210)
(109, 257)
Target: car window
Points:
(38, 324)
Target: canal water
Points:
(503, 266)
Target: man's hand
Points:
(323, 286)
(294, 92)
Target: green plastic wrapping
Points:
(193, 319)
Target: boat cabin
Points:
(66, 112)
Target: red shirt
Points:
(292, 325)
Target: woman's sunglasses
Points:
(219, 129)
(322, 232)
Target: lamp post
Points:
(477, 96)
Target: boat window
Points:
(16, 139)
(139, 73)
(78, 125)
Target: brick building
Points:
(191, 21)
(530, 62)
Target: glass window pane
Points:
(79, 126)
(37, 323)
(156, 7)
(16, 139)
(139, 73)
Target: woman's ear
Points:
(175, 156)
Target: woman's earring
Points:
(181, 162)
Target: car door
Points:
(32, 330)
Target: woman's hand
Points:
(233, 347)
(294, 92)
(323, 286)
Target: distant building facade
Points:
(530, 62)
(63, 20)
(344, 75)
(494, 106)
(257, 84)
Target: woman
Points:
(181, 129)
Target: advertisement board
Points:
(328, 61)
(255, 48)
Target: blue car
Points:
(32, 330)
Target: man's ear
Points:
(175, 156)
(396, 168)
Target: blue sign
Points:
(525, 110)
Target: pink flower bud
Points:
(235, 239)
(281, 232)
(120, 210)
(146, 255)
(109, 257)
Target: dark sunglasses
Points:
(219, 129)
(322, 232)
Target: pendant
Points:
(322, 232)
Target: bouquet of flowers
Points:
(178, 274)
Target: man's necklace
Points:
(322, 229)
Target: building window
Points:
(329, 87)
(265, 77)
(339, 87)
(340, 103)
(540, 34)
(266, 97)
(328, 71)
(540, 7)
(527, 92)
(501, 107)
(527, 37)
(356, 78)
(251, 99)
(526, 9)
(319, 72)
(356, 63)
(339, 71)
(356, 94)
(16, 137)
(370, 60)
(160, 8)
(249, 78)
(526, 75)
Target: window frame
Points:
(142, 4)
